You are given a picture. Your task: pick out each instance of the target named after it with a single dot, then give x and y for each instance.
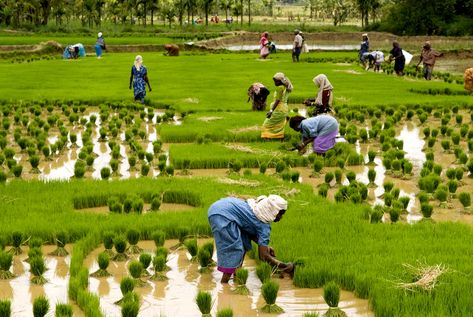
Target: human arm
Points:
(131, 78)
(145, 77)
(273, 107)
(267, 254)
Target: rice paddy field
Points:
(91, 181)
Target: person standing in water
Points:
(139, 79)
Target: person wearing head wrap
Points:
(428, 57)
(264, 45)
(139, 79)
(323, 101)
(273, 126)
(399, 59)
(364, 48)
(297, 46)
(236, 222)
(99, 45)
(321, 130)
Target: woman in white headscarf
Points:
(139, 79)
(236, 222)
(324, 98)
(273, 126)
(99, 45)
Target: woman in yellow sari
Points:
(273, 126)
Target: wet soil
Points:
(146, 208)
(175, 297)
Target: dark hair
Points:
(294, 122)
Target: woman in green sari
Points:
(273, 126)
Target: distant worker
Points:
(139, 79)
(364, 49)
(99, 45)
(428, 57)
(321, 130)
(375, 59)
(297, 46)
(399, 58)
(236, 222)
(273, 126)
(258, 94)
(468, 79)
(171, 50)
(264, 45)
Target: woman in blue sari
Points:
(139, 79)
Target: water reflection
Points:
(413, 145)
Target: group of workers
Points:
(267, 47)
(78, 50)
(375, 58)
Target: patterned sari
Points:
(273, 127)
(139, 84)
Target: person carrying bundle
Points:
(258, 94)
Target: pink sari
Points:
(264, 51)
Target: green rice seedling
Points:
(32, 252)
(295, 175)
(463, 158)
(61, 240)
(264, 271)
(192, 248)
(103, 260)
(159, 265)
(286, 175)
(371, 157)
(79, 169)
(407, 168)
(204, 302)
(431, 142)
(450, 173)
(270, 290)
(280, 166)
(323, 190)
(376, 215)
(145, 169)
(445, 146)
(145, 260)
(64, 310)
(37, 268)
(155, 203)
(387, 163)
(404, 201)
(6, 261)
(469, 166)
(455, 138)
(3, 177)
(132, 161)
(40, 306)
(225, 312)
(395, 192)
(263, 166)
(34, 161)
(426, 210)
(137, 205)
(429, 183)
(458, 118)
(35, 242)
(394, 214)
(5, 307)
(332, 297)
(465, 200)
(128, 204)
(338, 176)
(209, 246)
(105, 173)
(17, 241)
(452, 186)
(351, 176)
(114, 166)
(329, 177)
(241, 276)
(133, 236)
(388, 186)
(426, 132)
(135, 268)
(311, 315)
(205, 260)
(120, 246)
(17, 170)
(235, 166)
(340, 163)
(437, 169)
(127, 285)
(470, 145)
(169, 170)
(108, 242)
(130, 305)
(158, 237)
(459, 173)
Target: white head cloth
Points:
(286, 82)
(100, 34)
(266, 208)
(323, 83)
(138, 62)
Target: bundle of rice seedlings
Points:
(332, 297)
(133, 236)
(209, 246)
(37, 268)
(465, 200)
(269, 290)
(371, 177)
(130, 305)
(127, 285)
(108, 242)
(192, 248)
(204, 302)
(61, 240)
(145, 259)
(6, 261)
(40, 306)
(120, 247)
(135, 268)
(205, 260)
(159, 264)
(5, 307)
(103, 260)
(241, 276)
(426, 210)
(32, 252)
(64, 310)
(226, 312)
(17, 241)
(264, 271)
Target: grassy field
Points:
(330, 241)
(207, 82)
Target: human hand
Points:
(269, 113)
(150, 89)
(300, 146)
(271, 252)
(289, 268)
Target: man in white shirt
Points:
(297, 46)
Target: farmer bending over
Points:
(236, 222)
(321, 130)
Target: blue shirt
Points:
(318, 126)
(238, 211)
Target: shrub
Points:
(270, 290)
(264, 271)
(204, 302)
(40, 306)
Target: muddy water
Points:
(413, 145)
(175, 297)
(22, 293)
(287, 47)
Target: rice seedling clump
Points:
(204, 302)
(270, 290)
(103, 261)
(6, 260)
(241, 276)
(332, 297)
(40, 306)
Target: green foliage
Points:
(264, 271)
(270, 290)
(135, 268)
(5, 307)
(40, 306)
(127, 284)
(332, 294)
(64, 310)
(225, 312)
(204, 302)
(158, 237)
(191, 245)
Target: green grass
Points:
(208, 82)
